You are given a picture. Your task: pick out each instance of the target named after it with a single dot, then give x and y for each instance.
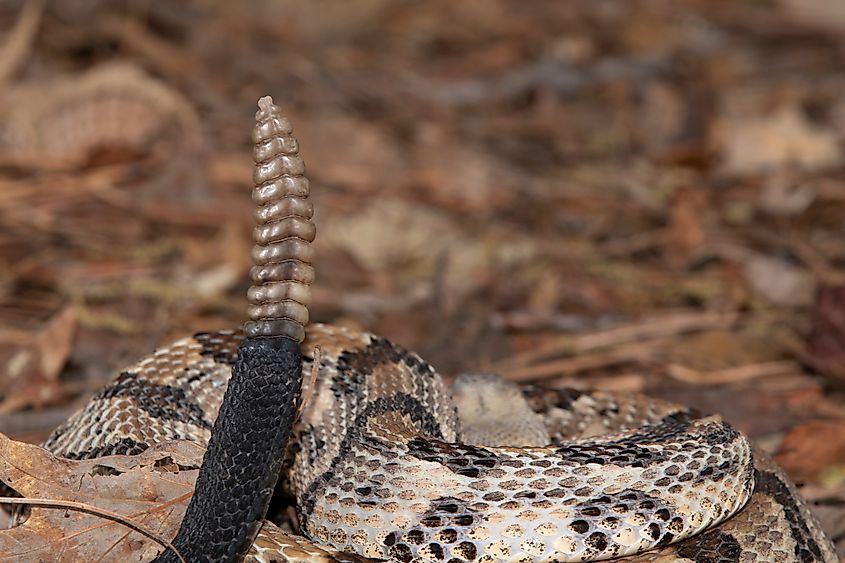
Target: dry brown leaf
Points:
(811, 449)
(151, 489)
(787, 138)
(827, 15)
(460, 177)
(685, 228)
(361, 166)
(779, 281)
(31, 361)
(825, 340)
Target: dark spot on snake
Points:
(390, 539)
(555, 493)
(401, 404)
(665, 540)
(163, 402)
(653, 531)
(401, 552)
(455, 457)
(364, 491)
(611, 410)
(431, 521)
(515, 463)
(597, 541)
(525, 494)
(448, 535)
(590, 511)
(713, 546)
(806, 548)
(222, 347)
(662, 514)
(415, 537)
(466, 549)
(380, 351)
(126, 446)
(610, 521)
(436, 550)
(463, 520)
(565, 397)
(200, 375)
(620, 452)
(720, 434)
(496, 496)
(448, 507)
(579, 526)
(681, 418)
(676, 524)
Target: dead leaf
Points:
(779, 281)
(460, 177)
(787, 138)
(826, 15)
(813, 449)
(152, 489)
(826, 340)
(786, 196)
(685, 228)
(32, 361)
(372, 160)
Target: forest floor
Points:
(630, 195)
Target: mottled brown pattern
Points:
(376, 468)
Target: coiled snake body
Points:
(387, 462)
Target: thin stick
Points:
(639, 352)
(649, 329)
(732, 375)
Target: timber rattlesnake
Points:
(383, 466)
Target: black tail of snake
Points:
(242, 463)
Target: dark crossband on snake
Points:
(387, 462)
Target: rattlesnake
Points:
(387, 462)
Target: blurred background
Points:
(646, 196)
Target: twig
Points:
(732, 375)
(19, 41)
(640, 352)
(649, 329)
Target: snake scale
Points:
(387, 462)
